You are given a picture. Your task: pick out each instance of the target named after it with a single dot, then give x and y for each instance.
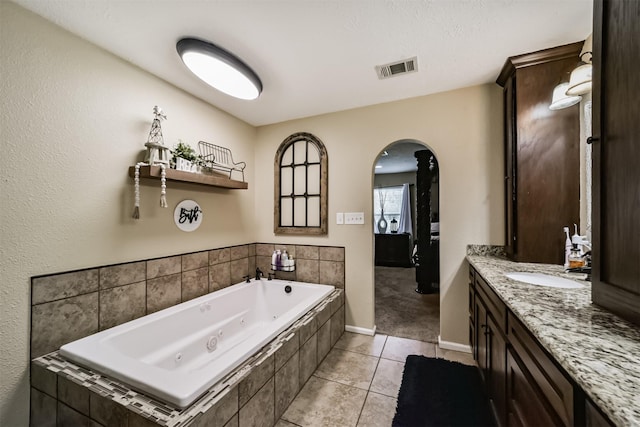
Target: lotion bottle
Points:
(567, 248)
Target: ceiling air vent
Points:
(396, 68)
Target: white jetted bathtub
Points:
(178, 353)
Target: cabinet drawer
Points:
(593, 416)
(494, 304)
(525, 405)
(543, 372)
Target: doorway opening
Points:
(406, 241)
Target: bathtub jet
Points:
(177, 354)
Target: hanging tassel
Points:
(136, 186)
(163, 187)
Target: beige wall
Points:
(464, 130)
(74, 117)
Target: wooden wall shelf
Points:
(216, 180)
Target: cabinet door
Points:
(616, 150)
(525, 406)
(549, 382)
(509, 98)
(472, 314)
(496, 370)
(482, 330)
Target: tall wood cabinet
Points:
(616, 157)
(542, 155)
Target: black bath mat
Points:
(437, 392)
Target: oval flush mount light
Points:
(219, 68)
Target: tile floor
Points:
(357, 384)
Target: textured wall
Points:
(464, 130)
(74, 117)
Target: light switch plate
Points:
(354, 218)
(339, 218)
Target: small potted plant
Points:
(184, 157)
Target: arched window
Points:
(301, 186)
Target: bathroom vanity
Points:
(549, 356)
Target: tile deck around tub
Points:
(166, 415)
(345, 392)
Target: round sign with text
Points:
(188, 215)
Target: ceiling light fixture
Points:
(219, 68)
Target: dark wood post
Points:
(427, 268)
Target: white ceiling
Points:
(316, 57)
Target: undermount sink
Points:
(541, 279)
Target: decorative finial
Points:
(155, 135)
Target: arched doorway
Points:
(398, 187)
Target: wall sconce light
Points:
(560, 98)
(219, 68)
(394, 225)
(580, 80)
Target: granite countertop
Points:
(599, 350)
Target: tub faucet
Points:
(259, 274)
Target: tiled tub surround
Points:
(256, 393)
(600, 351)
(69, 306)
(72, 305)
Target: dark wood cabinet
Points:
(616, 152)
(549, 391)
(593, 416)
(491, 346)
(525, 406)
(525, 385)
(472, 314)
(542, 155)
(393, 250)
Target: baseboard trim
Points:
(448, 345)
(359, 330)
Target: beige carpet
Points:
(400, 310)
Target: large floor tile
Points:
(388, 378)
(349, 368)
(364, 344)
(399, 348)
(378, 411)
(455, 356)
(326, 403)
